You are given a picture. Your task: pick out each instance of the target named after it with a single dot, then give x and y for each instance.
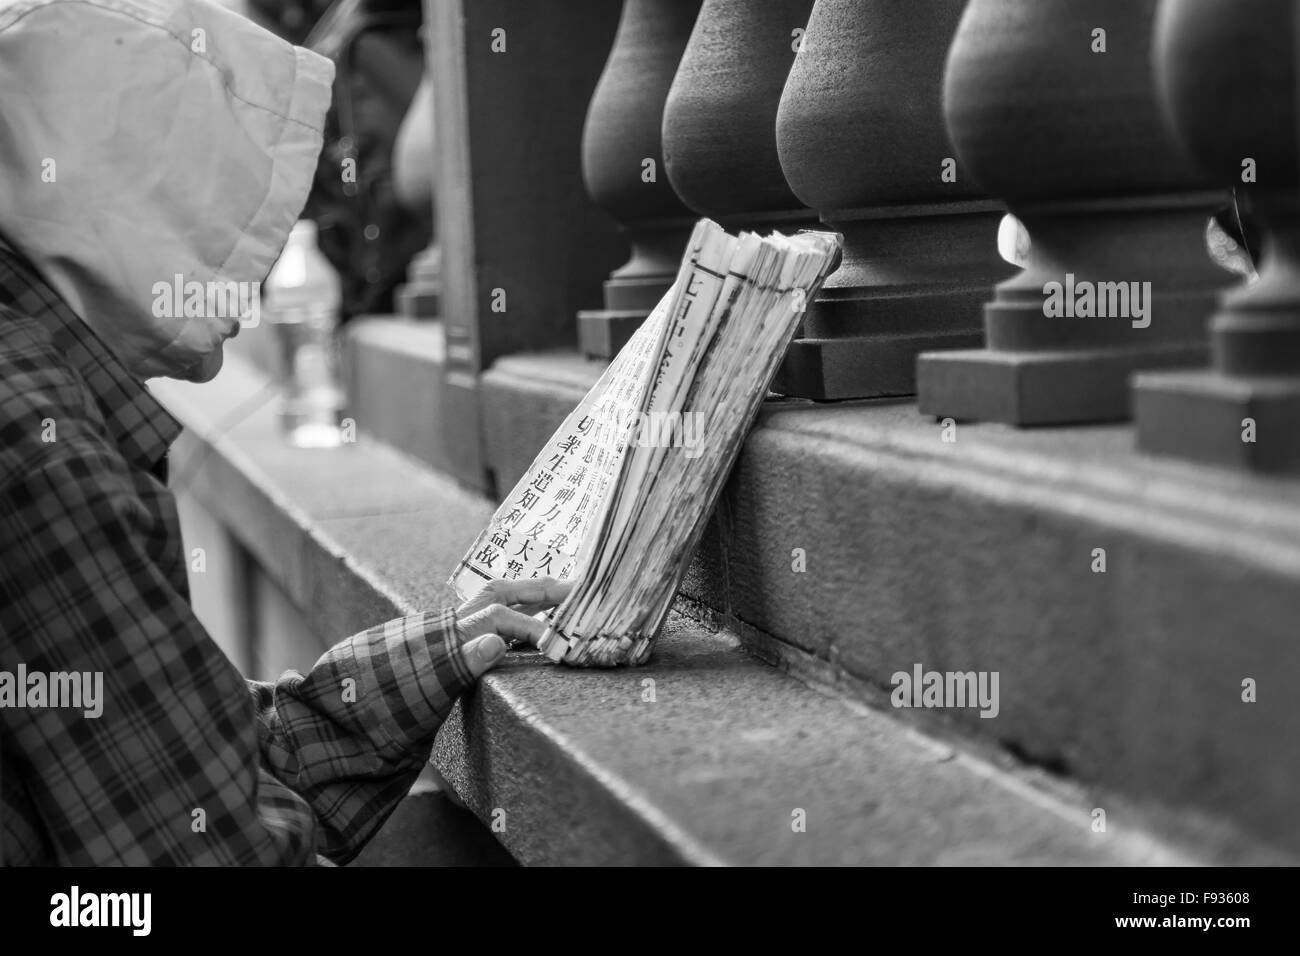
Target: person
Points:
(141, 142)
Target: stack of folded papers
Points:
(620, 495)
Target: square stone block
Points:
(1039, 388)
(1205, 416)
(878, 366)
(602, 333)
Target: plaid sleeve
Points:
(188, 763)
(352, 735)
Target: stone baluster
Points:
(418, 297)
(719, 130)
(622, 164)
(861, 140)
(1052, 106)
(1228, 77)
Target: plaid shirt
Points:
(188, 762)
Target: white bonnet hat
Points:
(146, 139)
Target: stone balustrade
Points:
(1099, 581)
(911, 129)
(1052, 106)
(861, 138)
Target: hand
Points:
(502, 612)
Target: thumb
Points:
(482, 654)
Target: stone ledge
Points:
(587, 771)
(713, 771)
(977, 555)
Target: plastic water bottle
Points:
(301, 299)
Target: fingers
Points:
(482, 654)
(501, 620)
(539, 594)
(487, 622)
(544, 593)
(532, 609)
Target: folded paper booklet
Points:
(619, 497)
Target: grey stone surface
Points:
(861, 366)
(1202, 416)
(1039, 388)
(977, 555)
(955, 556)
(713, 770)
(602, 332)
(396, 372)
(524, 399)
(428, 829)
(412, 552)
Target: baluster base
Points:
(1113, 286)
(420, 296)
(913, 279)
(416, 301)
(882, 366)
(603, 332)
(1040, 388)
(634, 289)
(1198, 416)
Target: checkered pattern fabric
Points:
(188, 763)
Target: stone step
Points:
(428, 829)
